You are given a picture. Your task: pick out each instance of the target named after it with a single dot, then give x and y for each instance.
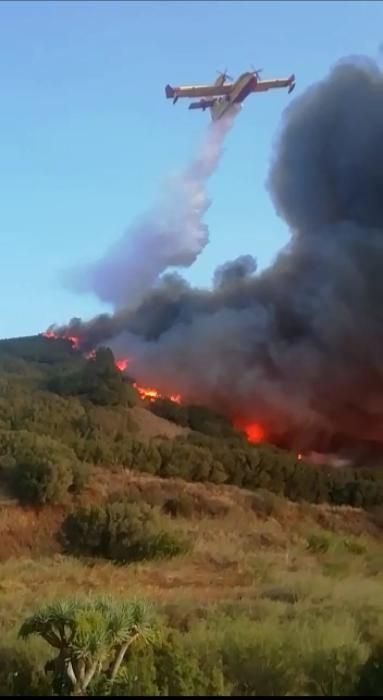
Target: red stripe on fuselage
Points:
(246, 90)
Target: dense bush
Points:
(169, 668)
(283, 657)
(239, 658)
(182, 505)
(41, 469)
(123, 532)
(265, 503)
(187, 505)
(371, 677)
(198, 418)
(273, 469)
(99, 380)
(21, 671)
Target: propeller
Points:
(256, 71)
(224, 75)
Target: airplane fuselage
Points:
(240, 90)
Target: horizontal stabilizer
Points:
(202, 104)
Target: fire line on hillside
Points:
(253, 431)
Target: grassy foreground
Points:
(296, 587)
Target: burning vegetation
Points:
(292, 352)
(253, 431)
(62, 412)
(122, 364)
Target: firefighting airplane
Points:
(223, 96)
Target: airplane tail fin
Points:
(292, 83)
(169, 91)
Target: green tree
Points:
(99, 381)
(90, 638)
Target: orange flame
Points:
(153, 394)
(254, 431)
(73, 339)
(122, 364)
(49, 334)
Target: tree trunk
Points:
(120, 658)
(72, 677)
(90, 674)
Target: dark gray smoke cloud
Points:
(298, 346)
(171, 234)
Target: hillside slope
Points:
(151, 426)
(276, 596)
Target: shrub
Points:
(143, 457)
(354, 546)
(44, 470)
(80, 477)
(99, 381)
(371, 676)
(286, 656)
(212, 507)
(204, 420)
(198, 418)
(170, 410)
(185, 505)
(152, 494)
(377, 516)
(21, 671)
(318, 543)
(182, 505)
(182, 671)
(282, 594)
(171, 668)
(264, 502)
(164, 545)
(39, 481)
(123, 532)
(137, 678)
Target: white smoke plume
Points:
(171, 234)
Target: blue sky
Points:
(86, 134)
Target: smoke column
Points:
(171, 234)
(298, 346)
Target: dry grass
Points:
(238, 522)
(243, 558)
(27, 532)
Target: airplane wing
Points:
(264, 85)
(197, 91)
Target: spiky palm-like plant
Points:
(90, 635)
